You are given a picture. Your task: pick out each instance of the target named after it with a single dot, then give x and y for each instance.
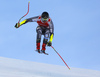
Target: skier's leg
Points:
(45, 40)
(38, 40)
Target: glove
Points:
(17, 25)
(49, 44)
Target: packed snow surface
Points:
(20, 68)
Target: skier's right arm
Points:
(33, 19)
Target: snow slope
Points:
(20, 68)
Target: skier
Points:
(45, 27)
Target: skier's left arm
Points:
(51, 33)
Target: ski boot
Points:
(43, 51)
(43, 48)
(38, 50)
(38, 47)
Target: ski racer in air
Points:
(45, 27)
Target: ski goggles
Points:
(44, 19)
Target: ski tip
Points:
(69, 69)
(28, 1)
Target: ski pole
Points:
(61, 57)
(25, 14)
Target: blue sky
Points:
(76, 36)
